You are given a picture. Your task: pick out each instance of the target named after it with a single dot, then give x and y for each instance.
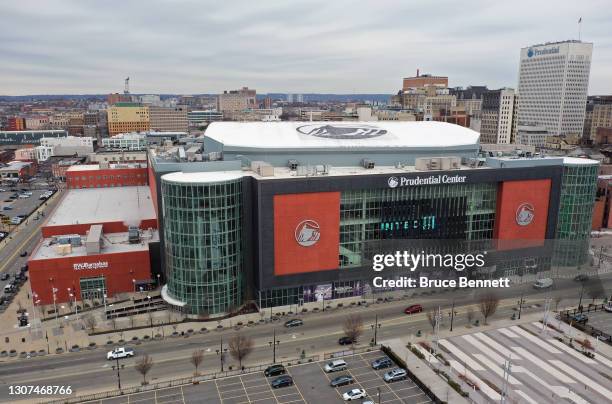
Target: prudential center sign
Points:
(395, 182)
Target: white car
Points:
(543, 283)
(335, 366)
(608, 307)
(119, 353)
(354, 394)
(394, 375)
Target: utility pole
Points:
(546, 315)
(437, 328)
(375, 327)
(274, 343)
(118, 374)
(221, 353)
(521, 302)
(452, 315)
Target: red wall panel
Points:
(306, 232)
(59, 273)
(522, 211)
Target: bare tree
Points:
(558, 300)
(353, 328)
(470, 315)
(90, 322)
(197, 357)
(488, 305)
(114, 323)
(132, 321)
(240, 346)
(432, 318)
(143, 366)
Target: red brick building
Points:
(106, 175)
(87, 252)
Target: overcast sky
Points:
(324, 46)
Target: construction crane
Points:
(126, 90)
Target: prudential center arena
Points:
(269, 214)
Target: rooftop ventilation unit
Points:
(292, 164)
(368, 164)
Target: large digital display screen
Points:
(424, 219)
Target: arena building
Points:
(285, 213)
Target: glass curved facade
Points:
(203, 242)
(578, 187)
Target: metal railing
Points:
(568, 315)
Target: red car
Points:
(415, 308)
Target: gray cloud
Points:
(342, 46)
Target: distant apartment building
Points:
(198, 118)
(117, 156)
(531, 135)
(116, 97)
(496, 116)
(237, 100)
(25, 154)
(126, 141)
(16, 123)
(150, 99)
(126, 117)
(168, 119)
(439, 105)
(37, 122)
(599, 115)
(424, 80)
(553, 84)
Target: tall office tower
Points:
(553, 84)
(496, 116)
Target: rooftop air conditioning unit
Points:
(368, 164)
(292, 164)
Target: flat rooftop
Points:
(112, 166)
(101, 205)
(112, 243)
(340, 135)
(285, 172)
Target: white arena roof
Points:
(130, 205)
(340, 135)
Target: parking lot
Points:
(600, 320)
(12, 207)
(311, 385)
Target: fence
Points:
(177, 382)
(349, 352)
(568, 315)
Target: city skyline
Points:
(69, 47)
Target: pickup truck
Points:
(119, 353)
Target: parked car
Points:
(275, 370)
(382, 363)
(7, 208)
(342, 381)
(580, 318)
(345, 341)
(23, 254)
(354, 394)
(412, 309)
(9, 289)
(395, 375)
(296, 322)
(4, 276)
(581, 278)
(335, 366)
(608, 307)
(543, 283)
(282, 381)
(119, 353)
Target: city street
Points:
(88, 371)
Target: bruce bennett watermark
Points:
(425, 282)
(409, 261)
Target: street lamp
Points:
(273, 344)
(375, 327)
(134, 283)
(221, 353)
(520, 303)
(118, 373)
(158, 281)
